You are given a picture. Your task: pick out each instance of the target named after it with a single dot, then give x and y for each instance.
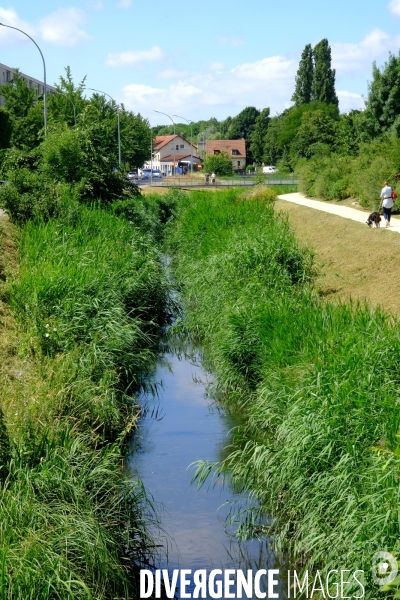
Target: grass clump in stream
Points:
(89, 297)
(319, 383)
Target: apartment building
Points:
(6, 76)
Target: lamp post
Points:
(72, 104)
(151, 156)
(191, 142)
(44, 74)
(119, 130)
(163, 113)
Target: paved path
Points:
(340, 211)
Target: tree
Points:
(272, 150)
(384, 94)
(258, 135)
(293, 119)
(304, 78)
(5, 129)
(242, 126)
(316, 134)
(323, 89)
(60, 108)
(25, 111)
(135, 138)
(220, 163)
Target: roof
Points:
(178, 157)
(163, 140)
(227, 145)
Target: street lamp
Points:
(191, 141)
(72, 104)
(163, 113)
(119, 130)
(44, 74)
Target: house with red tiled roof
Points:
(173, 153)
(235, 148)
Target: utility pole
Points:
(163, 113)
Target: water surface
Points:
(186, 426)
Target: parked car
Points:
(146, 173)
(132, 176)
(268, 170)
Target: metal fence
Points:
(188, 182)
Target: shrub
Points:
(220, 164)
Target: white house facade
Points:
(173, 153)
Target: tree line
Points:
(21, 120)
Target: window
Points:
(30, 83)
(4, 75)
(235, 152)
(217, 151)
(172, 146)
(8, 76)
(238, 162)
(177, 147)
(182, 145)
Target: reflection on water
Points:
(182, 426)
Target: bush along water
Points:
(318, 383)
(89, 298)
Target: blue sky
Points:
(199, 60)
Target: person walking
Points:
(213, 177)
(387, 194)
(207, 176)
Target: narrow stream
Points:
(184, 425)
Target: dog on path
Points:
(374, 219)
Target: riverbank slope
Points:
(317, 380)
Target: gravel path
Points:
(340, 211)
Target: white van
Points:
(269, 170)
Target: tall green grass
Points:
(318, 383)
(90, 298)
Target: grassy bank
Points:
(84, 302)
(318, 383)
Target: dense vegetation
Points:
(319, 383)
(21, 121)
(83, 305)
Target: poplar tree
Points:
(304, 78)
(323, 89)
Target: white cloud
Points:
(394, 7)
(171, 74)
(217, 66)
(267, 82)
(8, 36)
(226, 40)
(358, 57)
(124, 4)
(133, 57)
(218, 91)
(63, 27)
(350, 101)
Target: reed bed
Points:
(89, 299)
(317, 382)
